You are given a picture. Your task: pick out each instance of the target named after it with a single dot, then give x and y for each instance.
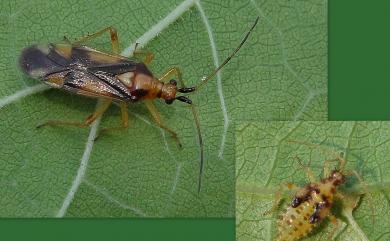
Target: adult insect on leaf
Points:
(82, 70)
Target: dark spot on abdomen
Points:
(296, 202)
(138, 94)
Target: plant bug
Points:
(85, 71)
(313, 203)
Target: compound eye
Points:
(173, 82)
(169, 101)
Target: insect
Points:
(111, 77)
(313, 203)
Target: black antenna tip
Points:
(200, 174)
(254, 25)
(186, 89)
(184, 99)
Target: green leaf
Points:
(280, 73)
(267, 157)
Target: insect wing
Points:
(41, 60)
(84, 83)
(78, 69)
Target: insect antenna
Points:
(212, 74)
(325, 150)
(184, 89)
(197, 124)
(201, 150)
(305, 167)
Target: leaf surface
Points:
(140, 171)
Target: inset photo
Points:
(312, 180)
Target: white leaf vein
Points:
(142, 41)
(112, 199)
(82, 169)
(21, 94)
(311, 93)
(219, 79)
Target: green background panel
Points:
(359, 66)
(358, 89)
(118, 229)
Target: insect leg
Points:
(306, 168)
(335, 223)
(156, 116)
(149, 56)
(171, 72)
(327, 168)
(124, 121)
(279, 194)
(67, 40)
(125, 115)
(113, 35)
(176, 71)
(366, 190)
(326, 150)
(91, 118)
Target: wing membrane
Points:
(80, 69)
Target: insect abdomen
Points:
(295, 223)
(311, 205)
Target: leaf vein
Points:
(219, 79)
(110, 198)
(22, 93)
(142, 41)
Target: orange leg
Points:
(113, 35)
(91, 118)
(278, 196)
(105, 103)
(149, 56)
(172, 72)
(124, 121)
(335, 223)
(156, 116)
